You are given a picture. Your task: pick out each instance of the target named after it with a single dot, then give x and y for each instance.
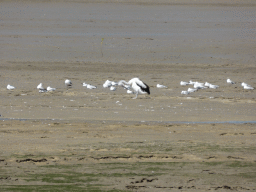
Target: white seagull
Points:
(198, 85)
(184, 92)
(40, 86)
(68, 83)
(138, 86)
(244, 84)
(112, 88)
(107, 84)
(229, 81)
(160, 86)
(91, 86)
(50, 88)
(248, 87)
(207, 84)
(184, 83)
(191, 90)
(10, 87)
(85, 84)
(213, 86)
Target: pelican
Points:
(68, 83)
(10, 87)
(160, 86)
(50, 88)
(229, 81)
(138, 86)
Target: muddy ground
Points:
(76, 139)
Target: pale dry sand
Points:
(78, 139)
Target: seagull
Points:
(160, 86)
(138, 86)
(112, 88)
(50, 88)
(248, 87)
(129, 91)
(184, 92)
(191, 90)
(207, 84)
(90, 86)
(229, 81)
(191, 82)
(40, 86)
(184, 83)
(198, 85)
(107, 84)
(213, 86)
(114, 83)
(10, 87)
(244, 84)
(68, 83)
(85, 84)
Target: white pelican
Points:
(10, 87)
(229, 81)
(160, 86)
(91, 86)
(68, 83)
(183, 83)
(50, 88)
(138, 86)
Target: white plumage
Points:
(68, 82)
(40, 86)
(184, 83)
(191, 90)
(160, 86)
(184, 92)
(138, 86)
(213, 86)
(10, 87)
(107, 84)
(229, 81)
(50, 88)
(248, 87)
(112, 88)
(91, 86)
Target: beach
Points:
(77, 139)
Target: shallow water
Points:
(65, 31)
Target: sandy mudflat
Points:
(78, 139)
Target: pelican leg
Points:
(136, 95)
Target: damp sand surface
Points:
(76, 139)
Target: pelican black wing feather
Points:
(145, 89)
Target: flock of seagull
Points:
(136, 86)
(198, 85)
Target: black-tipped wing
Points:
(144, 87)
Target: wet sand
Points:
(80, 139)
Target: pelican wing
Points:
(144, 87)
